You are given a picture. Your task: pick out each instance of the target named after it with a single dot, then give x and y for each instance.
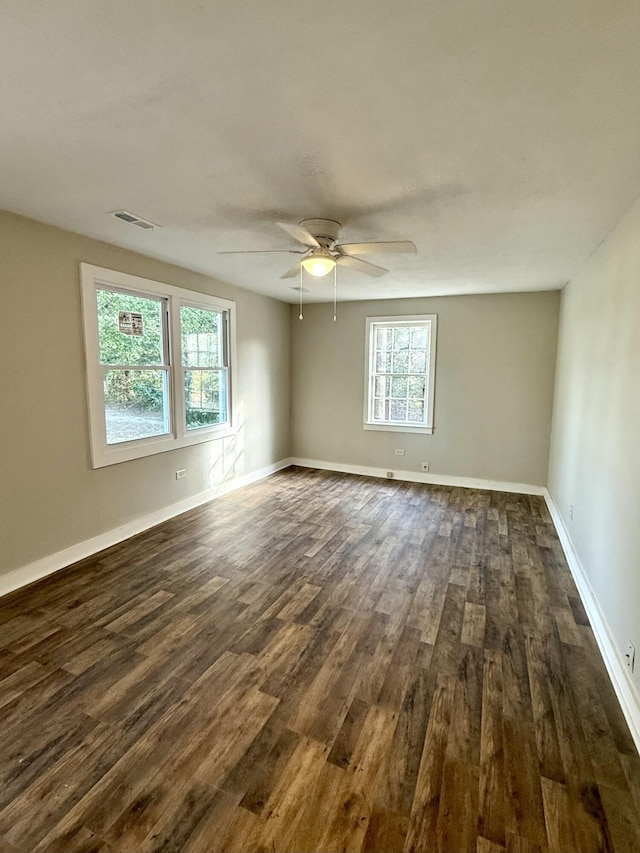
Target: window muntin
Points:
(147, 390)
(400, 373)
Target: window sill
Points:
(126, 451)
(424, 430)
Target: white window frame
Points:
(102, 454)
(369, 373)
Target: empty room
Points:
(319, 470)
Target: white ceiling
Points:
(501, 136)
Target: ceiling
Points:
(501, 136)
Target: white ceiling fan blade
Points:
(262, 252)
(362, 266)
(393, 246)
(300, 234)
(295, 270)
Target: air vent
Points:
(132, 219)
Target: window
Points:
(158, 362)
(400, 373)
(204, 366)
(134, 356)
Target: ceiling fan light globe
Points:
(318, 267)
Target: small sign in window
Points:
(130, 323)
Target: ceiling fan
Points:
(323, 251)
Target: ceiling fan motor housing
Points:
(326, 231)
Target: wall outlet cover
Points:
(630, 656)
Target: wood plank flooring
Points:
(318, 662)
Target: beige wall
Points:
(494, 387)
(494, 377)
(595, 447)
(50, 497)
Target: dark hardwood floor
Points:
(316, 662)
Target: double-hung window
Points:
(400, 373)
(159, 363)
(205, 362)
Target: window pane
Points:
(416, 387)
(383, 362)
(401, 338)
(398, 410)
(130, 328)
(384, 338)
(202, 336)
(415, 412)
(401, 362)
(419, 337)
(136, 404)
(381, 410)
(205, 394)
(418, 361)
(382, 386)
(399, 386)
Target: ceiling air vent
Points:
(132, 219)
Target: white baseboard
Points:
(618, 673)
(54, 562)
(418, 477)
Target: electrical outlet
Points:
(630, 656)
(425, 467)
(181, 474)
(399, 451)
(571, 512)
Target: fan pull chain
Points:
(335, 292)
(300, 316)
